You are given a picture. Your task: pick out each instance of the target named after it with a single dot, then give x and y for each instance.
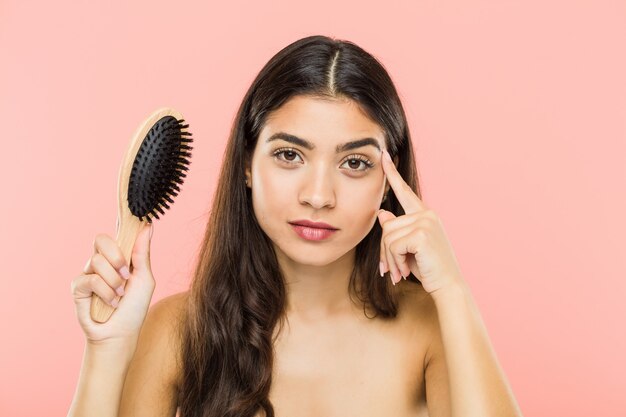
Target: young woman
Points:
(324, 287)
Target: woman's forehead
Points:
(322, 122)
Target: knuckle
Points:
(100, 237)
(87, 264)
(97, 260)
(119, 261)
(97, 240)
(93, 280)
(73, 285)
(107, 253)
(100, 241)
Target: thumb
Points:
(384, 215)
(141, 250)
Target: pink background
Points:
(518, 114)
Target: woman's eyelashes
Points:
(356, 160)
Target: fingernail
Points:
(120, 290)
(386, 155)
(124, 272)
(114, 303)
(381, 265)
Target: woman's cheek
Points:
(279, 187)
(364, 195)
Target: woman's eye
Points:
(289, 154)
(355, 163)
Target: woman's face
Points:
(341, 187)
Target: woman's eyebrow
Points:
(308, 145)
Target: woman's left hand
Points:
(415, 242)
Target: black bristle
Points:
(158, 167)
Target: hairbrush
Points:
(154, 164)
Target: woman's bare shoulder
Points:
(165, 319)
(153, 376)
(415, 299)
(417, 307)
(166, 315)
(172, 306)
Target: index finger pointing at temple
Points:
(410, 202)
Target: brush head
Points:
(158, 167)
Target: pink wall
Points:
(518, 113)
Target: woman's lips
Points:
(310, 223)
(312, 233)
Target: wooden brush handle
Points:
(128, 225)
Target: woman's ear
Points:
(248, 173)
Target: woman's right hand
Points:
(103, 273)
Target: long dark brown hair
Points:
(237, 295)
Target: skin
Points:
(317, 371)
(434, 358)
(331, 359)
(319, 185)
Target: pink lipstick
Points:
(314, 231)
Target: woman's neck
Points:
(317, 292)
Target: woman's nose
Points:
(318, 190)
